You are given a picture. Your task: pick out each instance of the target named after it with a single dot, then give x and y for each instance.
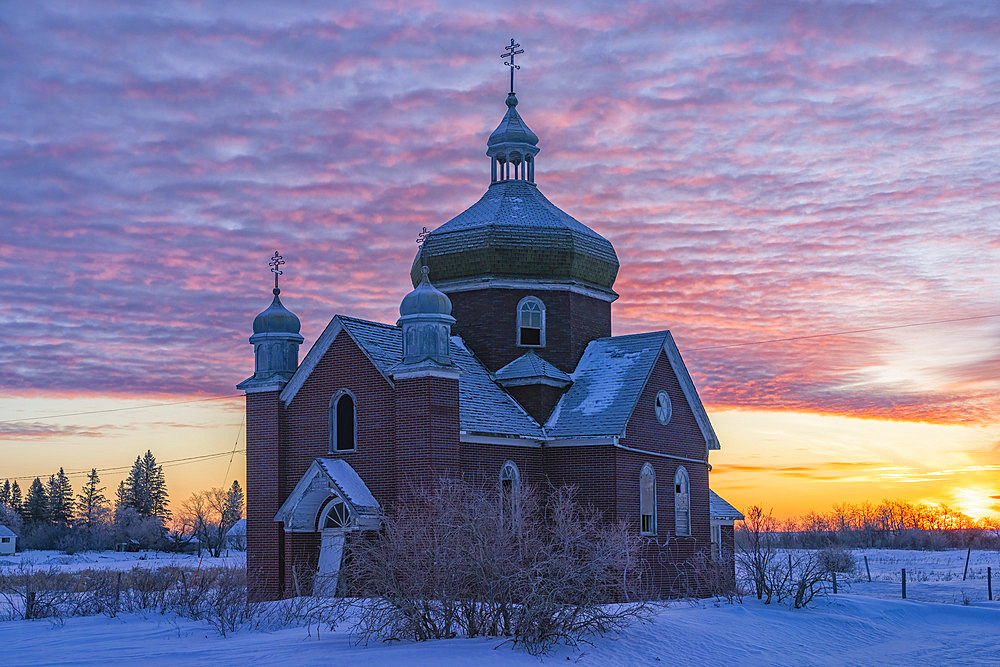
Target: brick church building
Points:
(502, 365)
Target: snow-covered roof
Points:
(325, 478)
(530, 368)
(607, 384)
(720, 509)
(483, 406)
(7, 532)
(239, 529)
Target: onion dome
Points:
(425, 299)
(513, 233)
(276, 319)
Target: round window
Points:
(663, 408)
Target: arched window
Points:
(682, 501)
(334, 515)
(647, 500)
(531, 322)
(343, 423)
(510, 492)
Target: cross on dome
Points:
(510, 49)
(275, 264)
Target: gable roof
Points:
(7, 532)
(530, 368)
(483, 406)
(607, 384)
(720, 509)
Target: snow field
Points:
(866, 624)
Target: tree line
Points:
(889, 524)
(49, 516)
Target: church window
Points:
(343, 423)
(664, 410)
(682, 501)
(531, 322)
(510, 490)
(647, 500)
(336, 515)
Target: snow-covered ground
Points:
(867, 625)
(114, 560)
(843, 630)
(931, 576)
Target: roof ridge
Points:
(363, 321)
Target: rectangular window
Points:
(647, 524)
(5, 539)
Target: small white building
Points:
(8, 541)
(236, 537)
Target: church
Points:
(501, 366)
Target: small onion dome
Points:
(512, 129)
(276, 319)
(425, 299)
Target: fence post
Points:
(789, 566)
(835, 583)
(989, 581)
(968, 553)
(868, 570)
(904, 583)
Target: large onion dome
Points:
(513, 231)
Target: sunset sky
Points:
(766, 171)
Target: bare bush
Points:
(757, 552)
(456, 558)
(836, 560)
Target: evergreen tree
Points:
(156, 483)
(135, 495)
(233, 508)
(15, 496)
(5, 493)
(145, 488)
(60, 497)
(36, 506)
(121, 497)
(91, 503)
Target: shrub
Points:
(835, 559)
(459, 558)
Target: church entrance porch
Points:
(332, 500)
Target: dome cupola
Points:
(276, 318)
(425, 318)
(425, 299)
(513, 233)
(275, 340)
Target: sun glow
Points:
(976, 502)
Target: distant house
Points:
(236, 537)
(8, 541)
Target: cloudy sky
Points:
(766, 171)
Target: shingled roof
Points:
(720, 509)
(483, 406)
(514, 231)
(607, 383)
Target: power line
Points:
(235, 442)
(844, 333)
(165, 464)
(134, 407)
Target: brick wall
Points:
(427, 429)
(487, 320)
(264, 536)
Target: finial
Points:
(421, 237)
(275, 264)
(426, 271)
(511, 52)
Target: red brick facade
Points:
(408, 431)
(487, 320)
